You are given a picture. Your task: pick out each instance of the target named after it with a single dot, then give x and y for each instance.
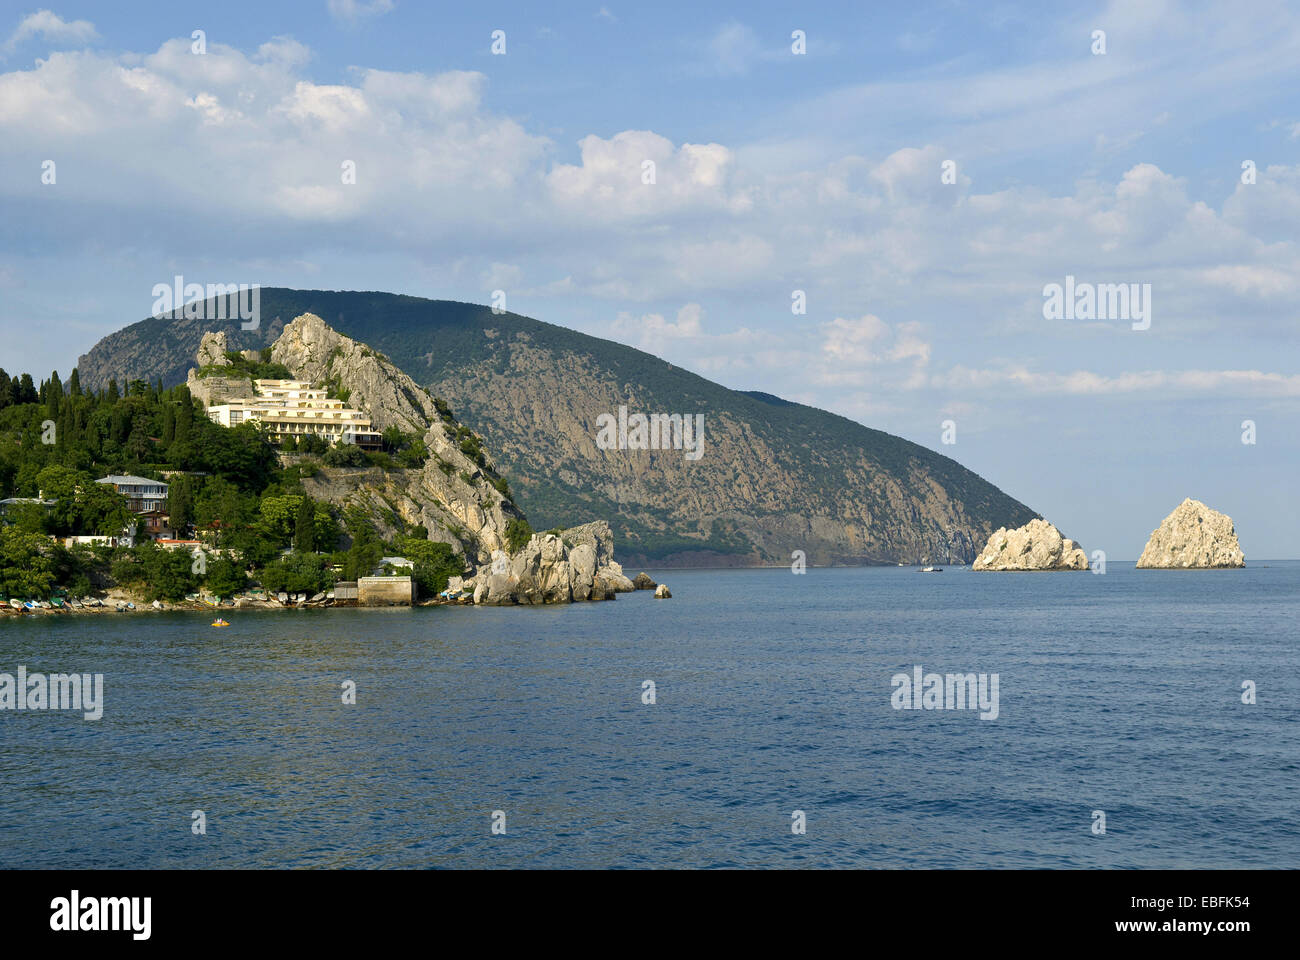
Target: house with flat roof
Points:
(9, 504)
(142, 494)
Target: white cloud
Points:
(1088, 383)
(51, 28)
(851, 350)
(353, 10)
(250, 146)
(734, 48)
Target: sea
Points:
(1144, 719)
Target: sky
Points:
(681, 176)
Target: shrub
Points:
(345, 455)
(435, 563)
(518, 532)
(298, 573)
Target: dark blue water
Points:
(1119, 693)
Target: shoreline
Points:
(195, 606)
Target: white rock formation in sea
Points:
(1193, 537)
(573, 566)
(1036, 546)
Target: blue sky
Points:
(775, 172)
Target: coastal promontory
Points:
(1193, 537)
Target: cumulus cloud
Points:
(852, 348)
(906, 275)
(51, 28)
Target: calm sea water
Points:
(1119, 693)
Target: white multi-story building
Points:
(142, 494)
(292, 408)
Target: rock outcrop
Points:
(454, 495)
(570, 567)
(662, 592)
(212, 350)
(1036, 546)
(213, 388)
(643, 581)
(314, 351)
(1193, 537)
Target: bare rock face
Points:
(212, 350)
(1036, 546)
(643, 581)
(452, 495)
(215, 388)
(662, 592)
(572, 567)
(1193, 537)
(314, 351)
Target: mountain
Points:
(772, 477)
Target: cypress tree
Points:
(304, 533)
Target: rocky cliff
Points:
(773, 477)
(209, 383)
(455, 495)
(1036, 546)
(1193, 537)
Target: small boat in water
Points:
(932, 570)
(220, 622)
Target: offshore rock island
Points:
(1036, 546)
(1193, 537)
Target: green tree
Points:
(518, 532)
(180, 503)
(434, 564)
(304, 533)
(226, 577)
(297, 573)
(26, 570)
(165, 574)
(83, 506)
